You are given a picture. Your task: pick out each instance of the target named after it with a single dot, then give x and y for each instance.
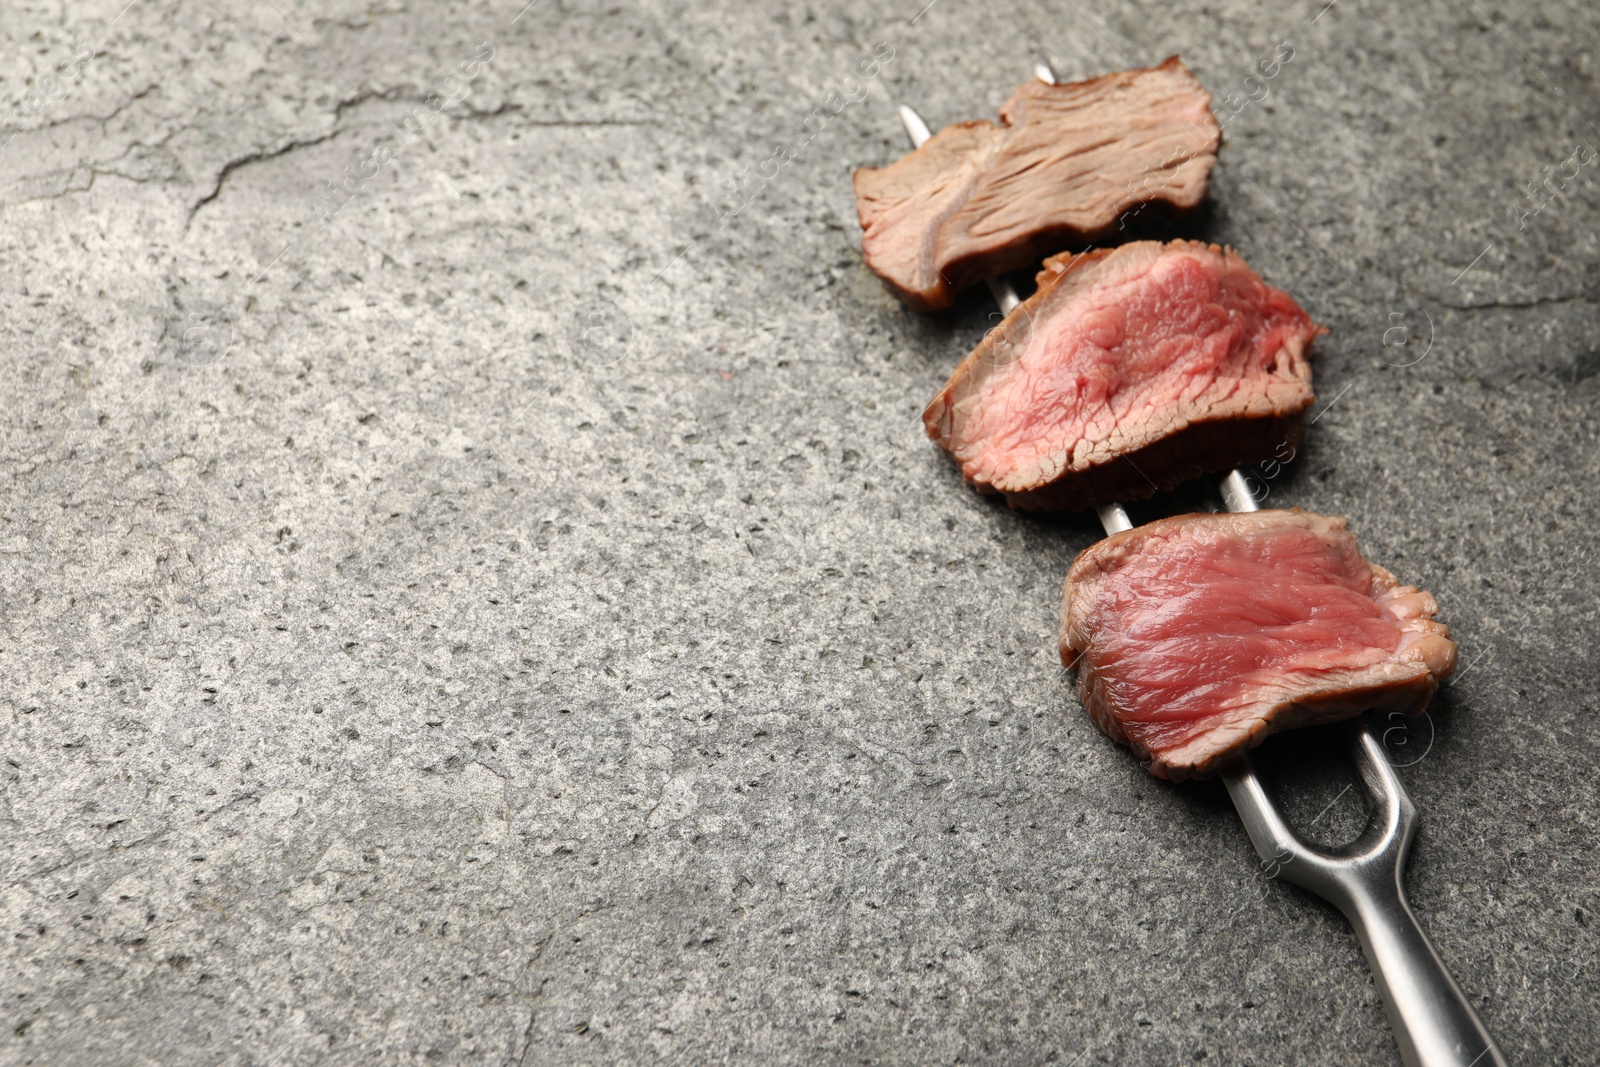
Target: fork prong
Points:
(1004, 293)
(1114, 518)
(1395, 820)
(1380, 850)
(1271, 834)
(915, 126)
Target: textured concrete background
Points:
(509, 612)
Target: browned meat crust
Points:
(1064, 164)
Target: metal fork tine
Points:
(1114, 518)
(915, 126)
(1394, 823)
(1383, 845)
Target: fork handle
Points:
(1433, 1022)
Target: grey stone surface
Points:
(518, 619)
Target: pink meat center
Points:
(1204, 629)
(1151, 350)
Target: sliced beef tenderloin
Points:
(1129, 371)
(1196, 636)
(1065, 163)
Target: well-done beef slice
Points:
(1065, 163)
(1196, 636)
(1129, 371)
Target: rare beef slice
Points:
(1129, 371)
(1195, 637)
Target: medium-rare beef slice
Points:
(1129, 371)
(1196, 636)
(1062, 167)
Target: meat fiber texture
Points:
(1065, 163)
(1129, 371)
(1197, 636)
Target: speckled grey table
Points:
(475, 588)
